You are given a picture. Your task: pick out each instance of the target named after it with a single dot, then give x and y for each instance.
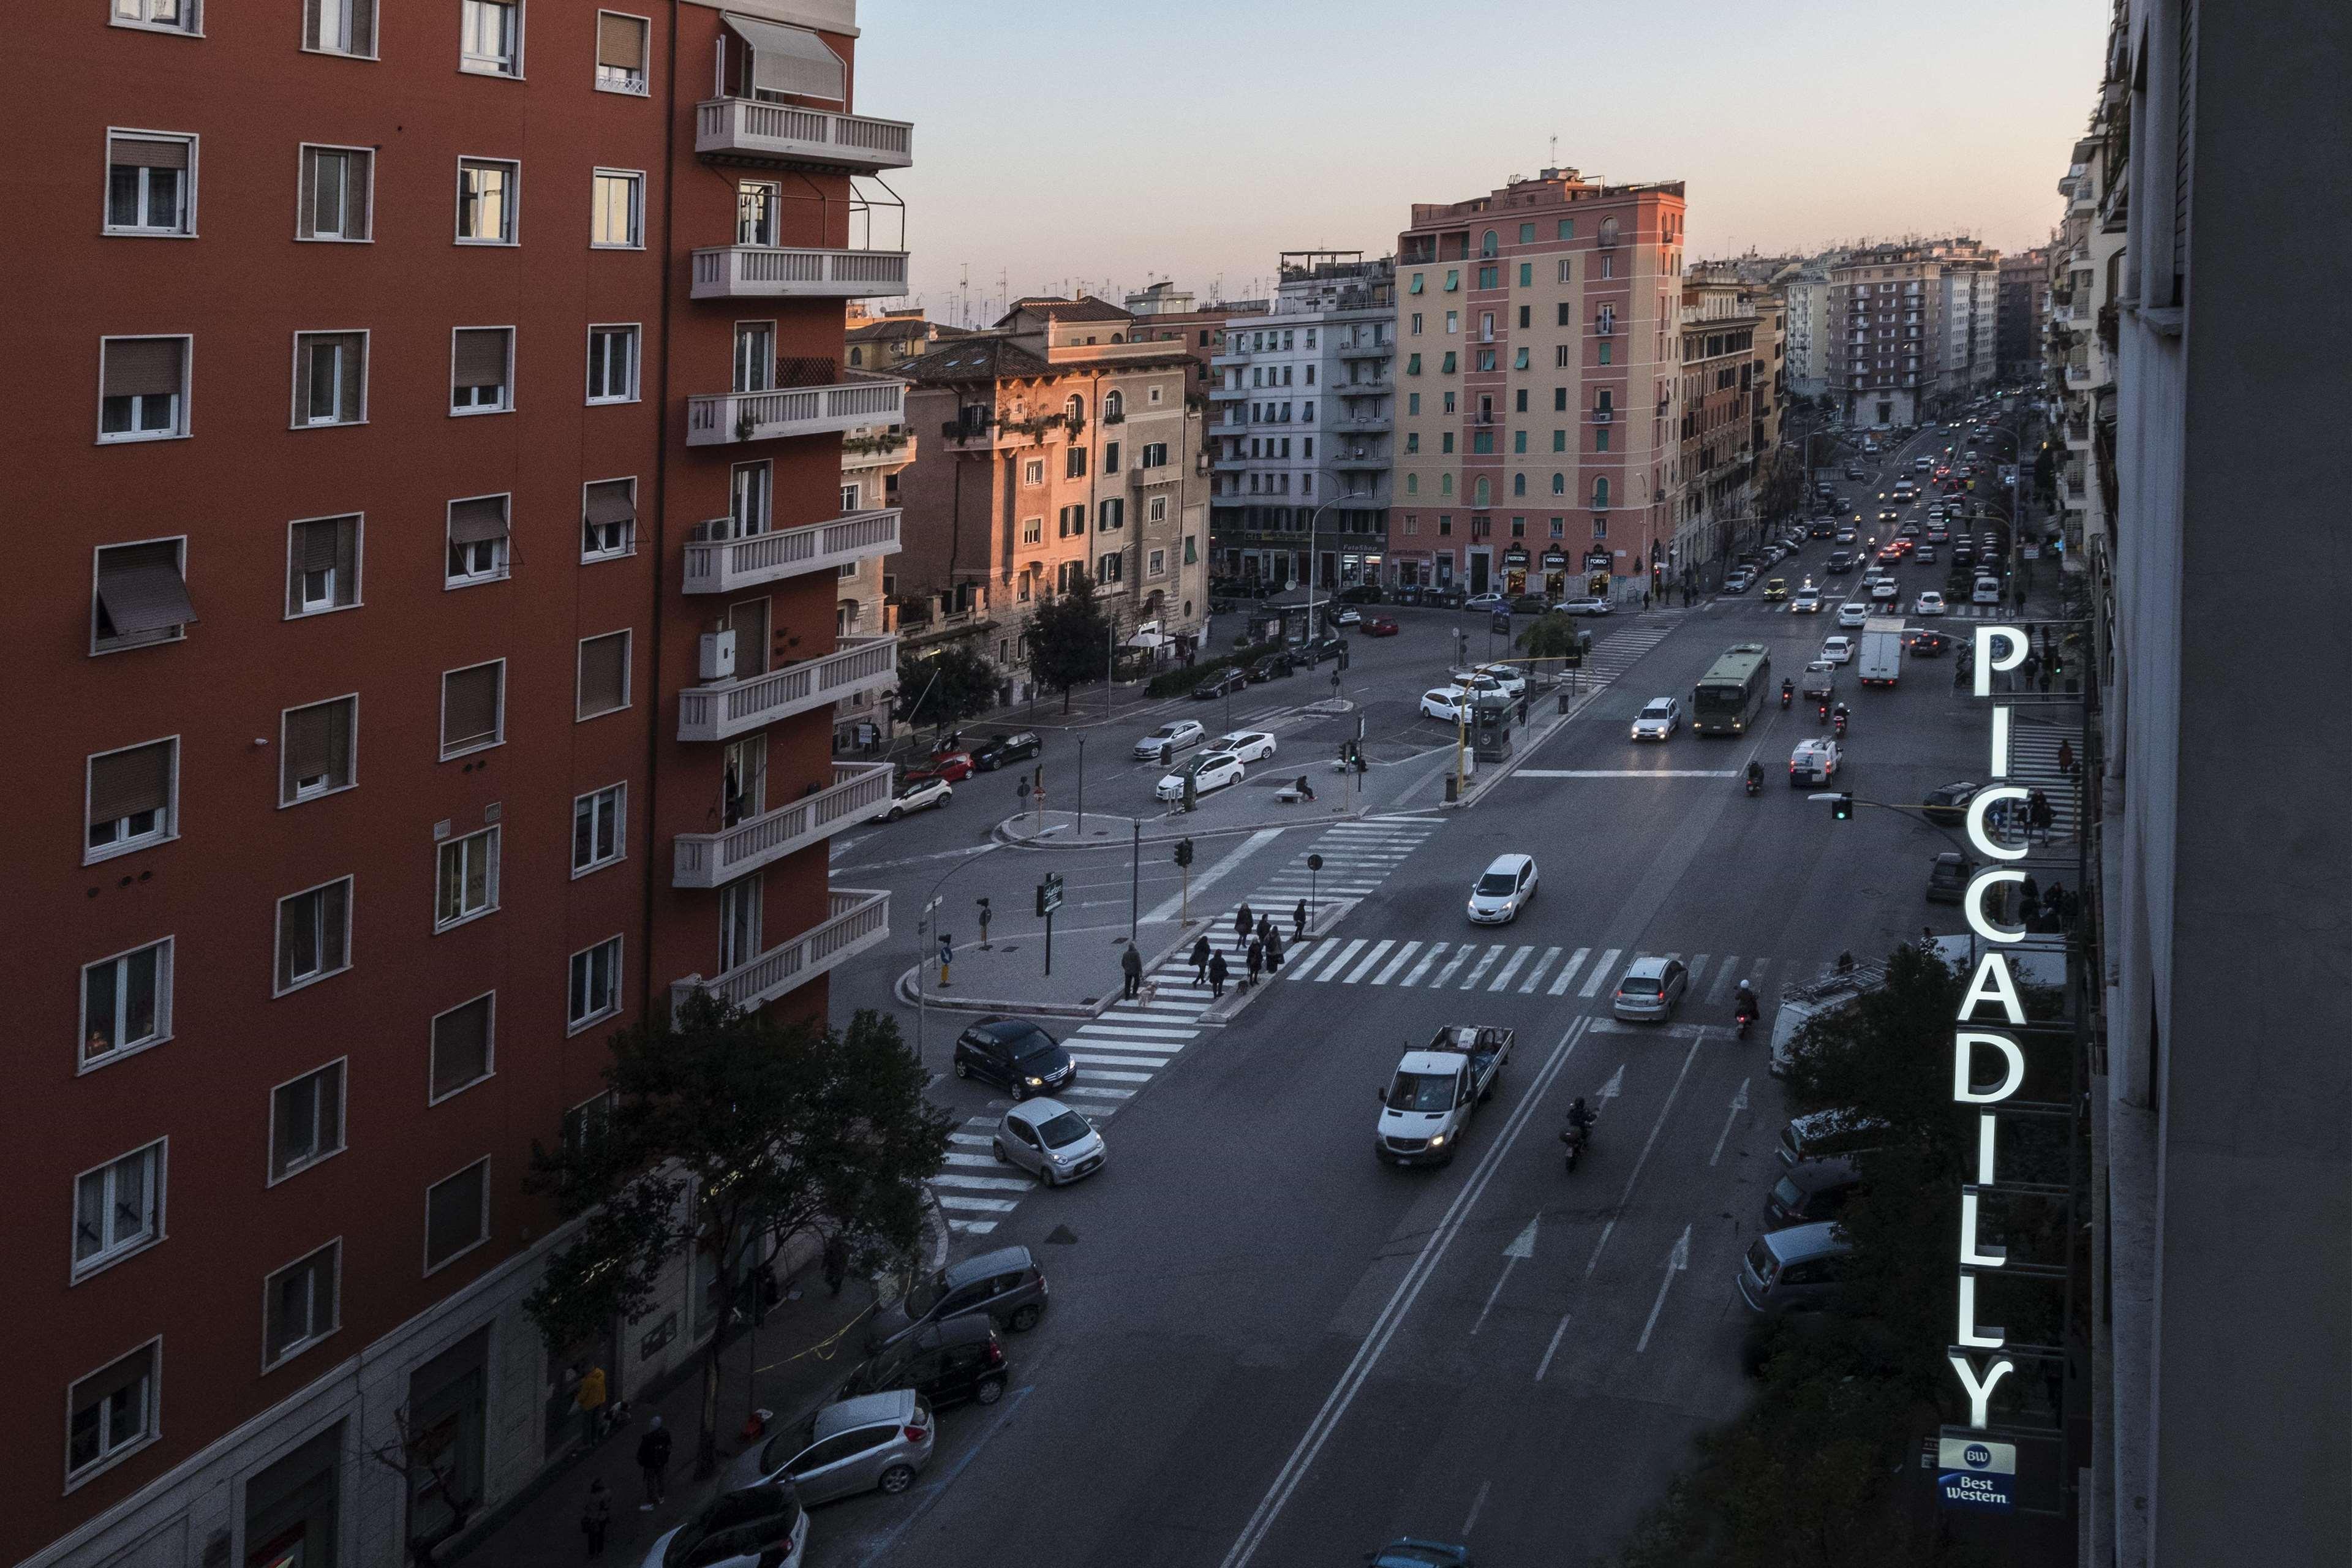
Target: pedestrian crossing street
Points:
(1529, 968)
(2033, 763)
(1119, 1052)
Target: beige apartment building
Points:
(1911, 327)
(1537, 440)
(1731, 373)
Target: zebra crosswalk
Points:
(1613, 656)
(2033, 761)
(1119, 1052)
(1526, 969)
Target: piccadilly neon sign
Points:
(1991, 1001)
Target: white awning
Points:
(1146, 639)
(791, 60)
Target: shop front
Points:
(448, 1408)
(1515, 571)
(292, 1509)
(1555, 575)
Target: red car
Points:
(953, 766)
(1380, 626)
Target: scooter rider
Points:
(1755, 776)
(1579, 1119)
(1743, 1003)
(1788, 692)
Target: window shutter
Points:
(363, 26)
(620, 41)
(137, 367)
(469, 705)
(609, 503)
(101, 1385)
(123, 784)
(480, 357)
(354, 345)
(311, 23)
(144, 153)
(306, 199)
(478, 519)
(317, 741)
(461, 1045)
(603, 674)
(355, 192)
(141, 590)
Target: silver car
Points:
(1658, 720)
(1653, 988)
(876, 1442)
(1049, 1139)
(1507, 887)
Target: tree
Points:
(422, 1458)
(945, 685)
(1781, 488)
(728, 1135)
(1550, 636)
(1068, 639)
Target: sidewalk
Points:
(1108, 830)
(808, 1342)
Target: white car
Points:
(1483, 601)
(1987, 592)
(920, 793)
(1506, 888)
(1350, 616)
(1814, 762)
(1209, 771)
(1445, 703)
(1588, 605)
(1658, 719)
(1476, 683)
(1175, 735)
(1049, 1139)
(1838, 650)
(1929, 603)
(1513, 681)
(1852, 612)
(1884, 591)
(1807, 602)
(1249, 746)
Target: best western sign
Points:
(1989, 1010)
(1974, 1473)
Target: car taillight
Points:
(995, 1353)
(915, 1434)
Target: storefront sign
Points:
(1972, 1473)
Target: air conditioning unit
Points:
(719, 655)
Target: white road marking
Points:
(1567, 976)
(1676, 1262)
(1167, 908)
(1403, 955)
(1435, 948)
(1535, 975)
(1369, 959)
(1659, 1126)
(1622, 774)
(1522, 1246)
(1502, 982)
(1087, 1058)
(1600, 972)
(1739, 1104)
(1544, 1365)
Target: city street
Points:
(1265, 1346)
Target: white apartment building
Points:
(1299, 427)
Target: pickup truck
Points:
(1436, 1090)
(1882, 650)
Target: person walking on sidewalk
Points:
(1201, 961)
(1243, 921)
(653, 1459)
(1298, 923)
(1217, 972)
(1130, 964)
(597, 1518)
(1256, 960)
(2066, 758)
(1272, 950)
(836, 1262)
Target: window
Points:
(1412, 442)
(1114, 408)
(131, 798)
(586, 1124)
(608, 519)
(1191, 555)
(141, 596)
(1482, 491)
(616, 210)
(142, 388)
(1605, 347)
(301, 1304)
(1601, 440)
(1155, 453)
(1518, 440)
(340, 28)
(314, 934)
(1111, 456)
(595, 983)
(1560, 484)
(1453, 280)
(1032, 472)
(1600, 494)
(334, 198)
(755, 356)
(1487, 277)
(1485, 359)
(743, 781)
(1482, 441)
(315, 749)
(1444, 441)
(126, 1002)
(1446, 367)
(473, 703)
(481, 366)
(741, 904)
(112, 1412)
(330, 378)
(620, 53)
(1519, 360)
(485, 200)
(1074, 463)
(1412, 364)
(118, 1209)
(306, 1120)
(1158, 564)
(600, 829)
(167, 15)
(603, 676)
(463, 1046)
(456, 1215)
(1414, 287)
(1033, 531)
(478, 541)
(466, 883)
(1608, 266)
(1412, 403)
(1110, 515)
(150, 182)
(322, 566)
(490, 37)
(611, 364)
(1111, 568)
(1453, 323)
(756, 210)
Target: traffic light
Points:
(1842, 808)
(1183, 852)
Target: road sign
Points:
(1974, 1473)
(2032, 552)
(1049, 894)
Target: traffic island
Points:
(1328, 913)
(1059, 829)
(1008, 975)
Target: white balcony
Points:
(1373, 387)
(776, 132)
(1358, 463)
(717, 564)
(857, 920)
(1227, 394)
(1373, 425)
(773, 272)
(707, 859)
(795, 411)
(1366, 351)
(724, 708)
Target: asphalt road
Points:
(1266, 1347)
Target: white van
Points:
(1988, 592)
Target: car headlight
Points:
(1036, 1082)
(1438, 1141)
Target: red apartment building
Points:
(427, 591)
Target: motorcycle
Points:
(1821, 714)
(1745, 1016)
(1838, 726)
(1755, 784)
(1576, 1137)
(1788, 695)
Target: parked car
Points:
(1800, 1269)
(953, 766)
(1946, 805)
(1503, 890)
(1658, 719)
(1738, 581)
(1529, 605)
(1511, 678)
(1811, 1191)
(1483, 601)
(1209, 771)
(1348, 615)
(870, 1441)
(1015, 1055)
(1586, 605)
(1273, 667)
(1824, 1134)
(1005, 1285)
(751, 1527)
(1173, 736)
(1651, 990)
(1445, 703)
(915, 792)
(1249, 746)
(942, 1364)
(1219, 684)
(1359, 593)
(1050, 1141)
(1814, 762)
(1947, 876)
(998, 749)
(1381, 626)
(1316, 650)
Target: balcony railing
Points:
(1227, 394)
(1359, 462)
(796, 411)
(718, 564)
(1371, 388)
(726, 709)
(744, 128)
(858, 921)
(1375, 425)
(1366, 351)
(859, 790)
(1603, 415)
(771, 272)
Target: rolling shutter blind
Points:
(469, 704)
(124, 783)
(790, 60)
(474, 521)
(621, 42)
(140, 367)
(603, 674)
(142, 152)
(141, 590)
(319, 743)
(609, 503)
(480, 357)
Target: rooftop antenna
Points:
(1554, 164)
(963, 293)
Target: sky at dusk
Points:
(1115, 143)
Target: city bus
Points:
(1732, 692)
